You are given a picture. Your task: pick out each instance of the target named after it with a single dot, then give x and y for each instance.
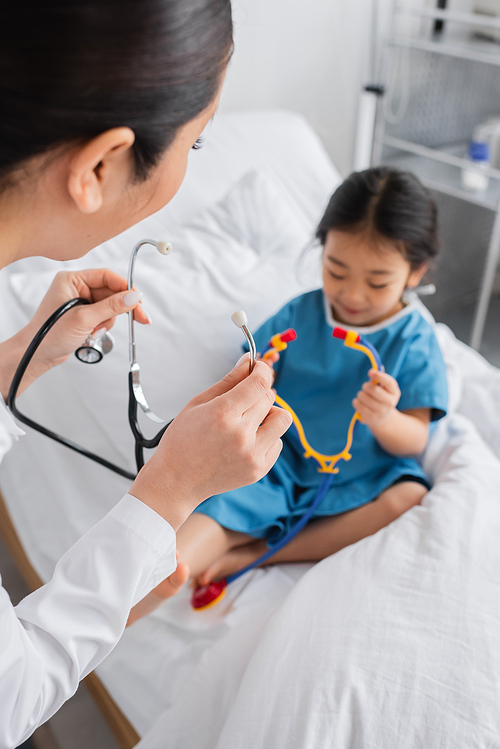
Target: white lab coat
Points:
(60, 633)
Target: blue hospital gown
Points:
(319, 377)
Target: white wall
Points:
(310, 56)
(304, 55)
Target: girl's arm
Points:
(404, 432)
(398, 432)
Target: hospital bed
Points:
(391, 642)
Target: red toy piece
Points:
(208, 595)
(342, 334)
(280, 341)
(288, 335)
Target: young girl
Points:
(379, 233)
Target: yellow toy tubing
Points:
(327, 463)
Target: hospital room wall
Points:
(309, 56)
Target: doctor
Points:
(100, 104)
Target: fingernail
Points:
(131, 299)
(150, 321)
(98, 333)
(242, 360)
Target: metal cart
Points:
(441, 79)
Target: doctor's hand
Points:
(226, 437)
(108, 296)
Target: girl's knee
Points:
(402, 497)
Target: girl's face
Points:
(364, 279)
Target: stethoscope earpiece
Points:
(240, 319)
(164, 248)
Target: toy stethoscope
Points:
(208, 595)
(91, 352)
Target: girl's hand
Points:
(377, 399)
(108, 296)
(226, 437)
(271, 359)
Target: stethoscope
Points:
(91, 352)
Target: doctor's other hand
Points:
(226, 437)
(107, 294)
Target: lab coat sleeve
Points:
(9, 431)
(60, 633)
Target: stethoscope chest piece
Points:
(93, 350)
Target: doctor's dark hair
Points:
(71, 69)
(388, 203)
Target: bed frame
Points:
(124, 732)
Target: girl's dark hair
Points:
(71, 69)
(390, 203)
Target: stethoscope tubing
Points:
(136, 393)
(141, 442)
(19, 374)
